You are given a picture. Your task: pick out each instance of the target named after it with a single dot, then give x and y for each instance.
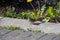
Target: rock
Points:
(37, 22)
(26, 24)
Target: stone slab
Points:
(47, 37)
(25, 24)
(26, 35)
(57, 38)
(3, 32)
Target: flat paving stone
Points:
(0, 39)
(57, 38)
(47, 37)
(36, 36)
(2, 32)
(11, 34)
(26, 35)
(25, 24)
(16, 34)
(22, 36)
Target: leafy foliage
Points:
(43, 9)
(27, 15)
(11, 15)
(58, 7)
(42, 13)
(46, 19)
(50, 14)
(35, 16)
(20, 15)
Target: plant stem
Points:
(32, 6)
(38, 4)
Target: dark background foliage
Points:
(23, 5)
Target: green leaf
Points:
(46, 19)
(51, 13)
(27, 15)
(43, 9)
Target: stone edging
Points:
(26, 24)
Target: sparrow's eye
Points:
(29, 1)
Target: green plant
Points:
(43, 9)
(20, 15)
(27, 15)
(46, 19)
(35, 16)
(24, 15)
(58, 7)
(51, 14)
(33, 31)
(11, 15)
(7, 14)
(14, 15)
(58, 34)
(11, 28)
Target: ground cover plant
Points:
(33, 31)
(18, 28)
(11, 28)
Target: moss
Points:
(34, 31)
(58, 34)
(11, 28)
